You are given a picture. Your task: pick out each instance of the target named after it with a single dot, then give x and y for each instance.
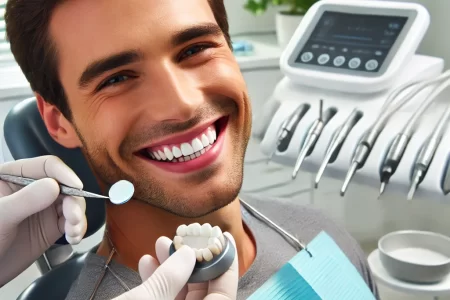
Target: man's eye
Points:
(193, 51)
(114, 80)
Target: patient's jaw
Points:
(157, 98)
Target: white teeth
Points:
(214, 246)
(205, 240)
(205, 140)
(202, 151)
(168, 153)
(210, 137)
(206, 230)
(197, 145)
(182, 230)
(216, 231)
(186, 149)
(187, 158)
(157, 155)
(214, 134)
(176, 152)
(207, 254)
(198, 254)
(194, 229)
(177, 242)
(197, 154)
(192, 156)
(162, 155)
(181, 159)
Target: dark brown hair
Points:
(27, 29)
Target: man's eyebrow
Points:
(98, 67)
(194, 32)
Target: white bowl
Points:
(416, 256)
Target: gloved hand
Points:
(34, 217)
(168, 280)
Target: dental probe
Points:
(293, 240)
(337, 141)
(401, 141)
(426, 154)
(287, 129)
(366, 144)
(313, 135)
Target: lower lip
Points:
(198, 163)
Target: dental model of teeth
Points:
(207, 241)
(185, 151)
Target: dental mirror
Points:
(214, 252)
(121, 192)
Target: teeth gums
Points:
(207, 241)
(186, 151)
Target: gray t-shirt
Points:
(273, 251)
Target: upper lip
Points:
(184, 137)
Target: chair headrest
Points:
(26, 136)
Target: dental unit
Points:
(427, 153)
(337, 140)
(287, 129)
(400, 142)
(361, 57)
(313, 135)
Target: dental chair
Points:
(26, 136)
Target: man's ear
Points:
(59, 128)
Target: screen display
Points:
(351, 41)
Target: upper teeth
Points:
(186, 151)
(207, 241)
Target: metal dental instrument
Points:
(337, 141)
(64, 190)
(287, 129)
(366, 144)
(426, 154)
(445, 184)
(293, 240)
(313, 135)
(401, 141)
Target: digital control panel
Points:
(351, 41)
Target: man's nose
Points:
(175, 95)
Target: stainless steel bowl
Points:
(416, 256)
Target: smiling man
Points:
(151, 93)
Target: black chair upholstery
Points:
(56, 284)
(26, 136)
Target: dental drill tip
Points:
(351, 172)
(382, 188)
(316, 185)
(320, 109)
(414, 185)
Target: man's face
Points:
(157, 98)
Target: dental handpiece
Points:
(369, 139)
(401, 141)
(337, 141)
(426, 154)
(287, 129)
(313, 135)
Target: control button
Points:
(307, 56)
(323, 59)
(345, 50)
(339, 61)
(371, 65)
(332, 48)
(315, 46)
(378, 53)
(354, 63)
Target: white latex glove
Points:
(167, 279)
(34, 217)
